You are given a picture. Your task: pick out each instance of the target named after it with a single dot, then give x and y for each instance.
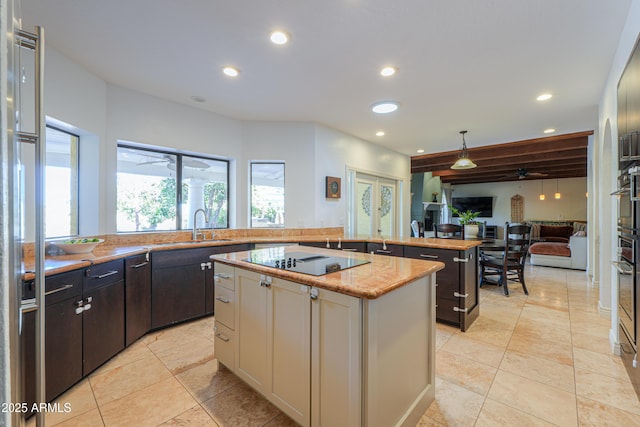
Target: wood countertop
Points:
(121, 246)
(381, 275)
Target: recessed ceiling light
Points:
(230, 71)
(279, 37)
(421, 151)
(380, 133)
(388, 71)
(544, 97)
(550, 130)
(384, 107)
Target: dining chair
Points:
(449, 230)
(509, 263)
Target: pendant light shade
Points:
(542, 197)
(557, 195)
(463, 162)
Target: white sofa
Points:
(577, 260)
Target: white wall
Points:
(103, 114)
(335, 152)
(571, 206)
(605, 155)
(292, 143)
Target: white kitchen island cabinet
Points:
(326, 356)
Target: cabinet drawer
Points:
(103, 274)
(223, 347)
(57, 288)
(224, 306)
(380, 249)
(224, 275)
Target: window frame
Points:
(179, 194)
(284, 173)
(75, 192)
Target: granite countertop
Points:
(121, 246)
(381, 275)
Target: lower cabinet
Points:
(273, 335)
(182, 283)
(137, 298)
(457, 294)
(325, 358)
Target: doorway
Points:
(374, 205)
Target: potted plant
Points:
(467, 219)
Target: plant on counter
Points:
(466, 218)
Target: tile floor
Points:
(537, 360)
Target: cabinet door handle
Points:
(313, 294)
(142, 264)
(459, 295)
(350, 249)
(429, 256)
(464, 310)
(380, 251)
(456, 259)
(60, 289)
(222, 276)
(107, 274)
(222, 337)
(222, 300)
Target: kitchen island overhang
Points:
(351, 347)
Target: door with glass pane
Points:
(375, 206)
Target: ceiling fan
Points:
(171, 162)
(523, 173)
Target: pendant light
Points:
(463, 162)
(557, 195)
(542, 189)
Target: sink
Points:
(192, 242)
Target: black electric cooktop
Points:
(302, 262)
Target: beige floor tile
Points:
(542, 401)
(240, 406)
(442, 336)
(597, 414)
(485, 353)
(556, 352)
(464, 372)
(133, 353)
(182, 352)
(490, 331)
(207, 380)
(151, 406)
(454, 405)
(544, 371)
(586, 327)
(281, 421)
(196, 417)
(81, 400)
(495, 414)
(608, 390)
(610, 365)
(595, 343)
(90, 418)
(428, 422)
(543, 330)
(118, 382)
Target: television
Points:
(484, 205)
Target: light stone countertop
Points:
(124, 245)
(381, 275)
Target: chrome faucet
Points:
(196, 231)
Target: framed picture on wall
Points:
(332, 187)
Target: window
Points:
(151, 183)
(61, 175)
(267, 194)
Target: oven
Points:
(626, 207)
(626, 266)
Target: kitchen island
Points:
(349, 343)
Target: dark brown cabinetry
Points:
(386, 249)
(457, 294)
(103, 313)
(345, 246)
(63, 336)
(182, 283)
(137, 299)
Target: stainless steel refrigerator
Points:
(21, 125)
